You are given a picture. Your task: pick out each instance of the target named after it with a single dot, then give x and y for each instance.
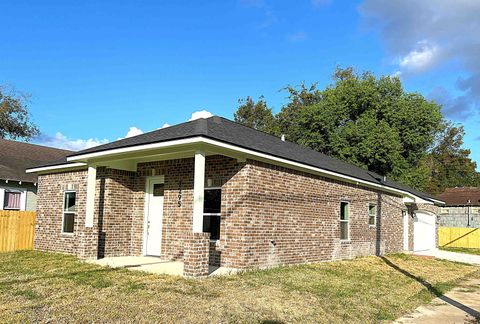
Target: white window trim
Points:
(376, 215)
(64, 212)
(344, 221)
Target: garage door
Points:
(423, 232)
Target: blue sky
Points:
(97, 69)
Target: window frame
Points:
(68, 212)
(344, 221)
(214, 214)
(8, 191)
(374, 216)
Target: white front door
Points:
(154, 216)
(423, 231)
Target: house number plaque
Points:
(180, 193)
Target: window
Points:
(211, 212)
(475, 210)
(12, 200)
(158, 189)
(372, 215)
(68, 212)
(344, 217)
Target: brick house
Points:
(214, 191)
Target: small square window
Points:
(372, 215)
(158, 189)
(12, 200)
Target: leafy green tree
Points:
(449, 163)
(15, 120)
(255, 114)
(287, 119)
(370, 122)
(375, 124)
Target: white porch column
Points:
(198, 191)
(90, 203)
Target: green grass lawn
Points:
(49, 287)
(461, 250)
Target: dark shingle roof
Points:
(461, 196)
(226, 131)
(15, 157)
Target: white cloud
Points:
(200, 114)
(420, 58)
(63, 142)
(133, 131)
(165, 125)
(423, 35)
(297, 37)
(396, 74)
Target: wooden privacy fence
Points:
(459, 237)
(16, 230)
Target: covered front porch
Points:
(159, 210)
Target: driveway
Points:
(452, 256)
(460, 305)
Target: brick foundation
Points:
(196, 255)
(87, 248)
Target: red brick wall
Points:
(293, 217)
(114, 208)
(50, 197)
(196, 260)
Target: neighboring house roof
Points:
(229, 132)
(16, 157)
(462, 196)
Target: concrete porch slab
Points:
(155, 265)
(143, 263)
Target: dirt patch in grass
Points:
(44, 287)
(461, 250)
